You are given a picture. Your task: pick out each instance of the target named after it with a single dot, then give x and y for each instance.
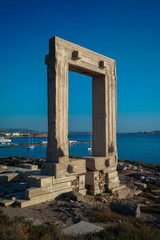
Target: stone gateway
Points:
(101, 172)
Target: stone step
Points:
(9, 177)
(39, 180)
(42, 198)
(17, 195)
(33, 192)
(28, 166)
(12, 187)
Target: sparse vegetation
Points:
(131, 230)
(151, 209)
(126, 232)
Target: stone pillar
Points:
(57, 72)
(114, 114)
(100, 115)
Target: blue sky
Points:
(127, 31)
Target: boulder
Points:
(73, 195)
(131, 209)
(121, 167)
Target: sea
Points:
(136, 147)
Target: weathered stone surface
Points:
(81, 182)
(81, 228)
(112, 174)
(112, 185)
(42, 198)
(33, 192)
(59, 170)
(92, 178)
(100, 163)
(126, 208)
(113, 180)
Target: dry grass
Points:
(131, 230)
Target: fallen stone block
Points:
(134, 168)
(73, 195)
(9, 177)
(143, 185)
(137, 192)
(28, 166)
(6, 202)
(121, 167)
(81, 228)
(156, 191)
(126, 208)
(123, 193)
(151, 180)
(3, 167)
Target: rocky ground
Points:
(142, 187)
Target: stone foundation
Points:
(101, 174)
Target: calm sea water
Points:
(130, 146)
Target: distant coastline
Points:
(152, 132)
(9, 132)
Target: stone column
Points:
(57, 71)
(100, 115)
(114, 112)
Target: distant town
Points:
(18, 132)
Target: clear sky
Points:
(125, 30)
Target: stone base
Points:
(101, 174)
(100, 163)
(59, 170)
